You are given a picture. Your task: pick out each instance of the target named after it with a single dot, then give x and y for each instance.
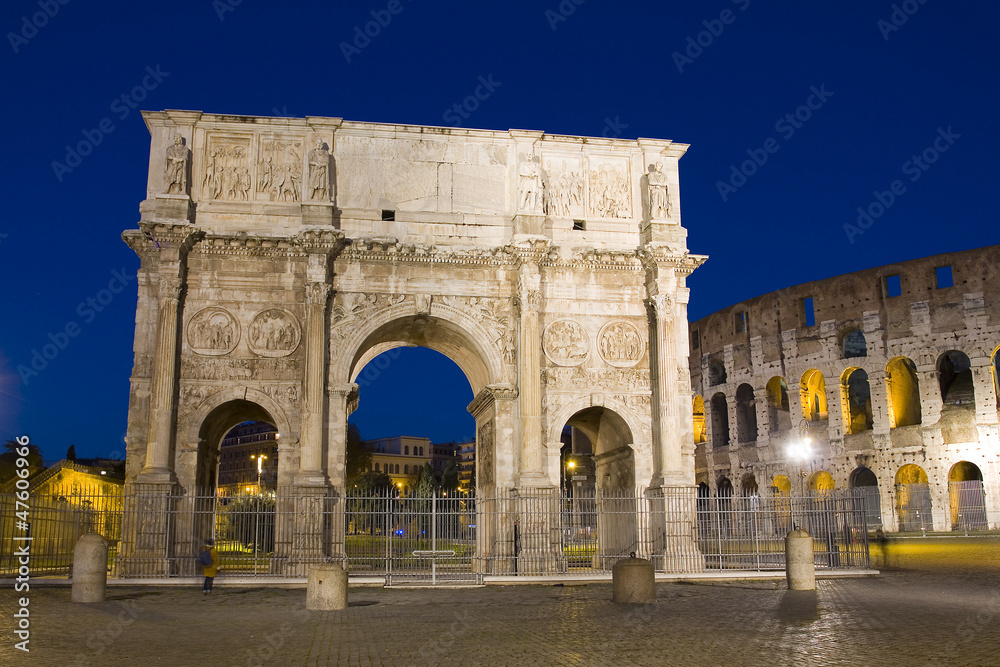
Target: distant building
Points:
(443, 453)
(467, 466)
(241, 449)
(401, 457)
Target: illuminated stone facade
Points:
(891, 372)
(280, 255)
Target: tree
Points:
(357, 457)
(71, 453)
(449, 478)
(369, 499)
(8, 460)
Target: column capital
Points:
(317, 293)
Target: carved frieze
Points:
(492, 314)
(349, 307)
(279, 169)
(213, 332)
(227, 169)
(566, 343)
(563, 189)
(612, 379)
(610, 195)
(274, 333)
(226, 368)
(620, 344)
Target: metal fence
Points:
(443, 538)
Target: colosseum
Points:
(893, 377)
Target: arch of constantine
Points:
(891, 373)
(280, 255)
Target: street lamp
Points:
(256, 523)
(260, 467)
(800, 450)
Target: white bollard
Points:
(90, 569)
(327, 587)
(800, 568)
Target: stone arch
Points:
(958, 396)
(856, 396)
(903, 392)
(781, 485)
(720, 421)
(820, 481)
(913, 498)
(748, 485)
(724, 487)
(612, 441)
(213, 419)
(813, 390)
(716, 372)
(746, 414)
(853, 344)
(447, 330)
(777, 404)
(864, 481)
(698, 416)
(967, 497)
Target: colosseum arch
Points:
(812, 388)
(856, 397)
(779, 415)
(903, 392)
(405, 235)
(746, 414)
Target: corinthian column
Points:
(157, 468)
(311, 443)
(529, 365)
(667, 432)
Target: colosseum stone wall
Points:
(890, 375)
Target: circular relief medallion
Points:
(213, 332)
(620, 344)
(566, 343)
(274, 333)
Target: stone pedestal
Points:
(633, 581)
(90, 569)
(800, 569)
(173, 208)
(327, 587)
(317, 213)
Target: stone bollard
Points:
(633, 582)
(327, 587)
(800, 568)
(90, 569)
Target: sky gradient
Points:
(797, 115)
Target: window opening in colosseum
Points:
(821, 480)
(913, 498)
(808, 312)
(967, 498)
(740, 321)
(943, 277)
(698, 411)
(855, 344)
(903, 391)
(858, 395)
(864, 481)
(720, 421)
(893, 286)
(781, 485)
(716, 372)
(695, 340)
(813, 392)
(748, 485)
(955, 373)
(779, 417)
(746, 414)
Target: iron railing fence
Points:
(437, 538)
(913, 507)
(968, 505)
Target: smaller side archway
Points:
(913, 498)
(813, 390)
(820, 481)
(746, 414)
(967, 498)
(720, 421)
(781, 485)
(903, 392)
(857, 398)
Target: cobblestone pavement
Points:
(900, 618)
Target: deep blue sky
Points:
(608, 68)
